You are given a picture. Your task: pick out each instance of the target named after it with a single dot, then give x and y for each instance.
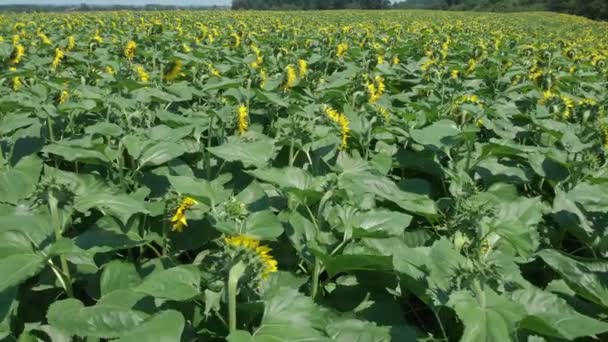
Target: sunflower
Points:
(302, 68)
(290, 78)
(174, 70)
(130, 50)
(342, 121)
(262, 253)
(179, 220)
(243, 119)
(341, 49)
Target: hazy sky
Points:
(117, 2)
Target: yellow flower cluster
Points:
(376, 89)
(17, 54)
(258, 56)
(236, 40)
(174, 70)
(243, 119)
(57, 60)
(568, 107)
(71, 43)
(130, 50)
(17, 83)
(179, 220)
(64, 96)
(290, 77)
(342, 121)
(262, 252)
(341, 49)
(44, 38)
(302, 68)
(143, 75)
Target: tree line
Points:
(595, 9)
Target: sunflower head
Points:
(257, 256)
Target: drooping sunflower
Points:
(17, 54)
(179, 220)
(342, 122)
(57, 59)
(260, 252)
(243, 119)
(302, 68)
(290, 77)
(173, 71)
(130, 50)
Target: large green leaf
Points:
(178, 283)
(487, 316)
(354, 330)
(387, 190)
(101, 320)
(75, 153)
(20, 181)
(166, 326)
(200, 188)
(160, 153)
(290, 316)
(380, 223)
(550, 315)
(262, 225)
(256, 153)
(18, 261)
(580, 277)
(516, 222)
(118, 275)
(441, 134)
(119, 205)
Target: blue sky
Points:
(116, 2)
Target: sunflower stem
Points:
(315, 279)
(56, 221)
(233, 279)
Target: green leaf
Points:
(101, 320)
(18, 262)
(118, 275)
(354, 330)
(351, 262)
(20, 181)
(166, 326)
(119, 205)
(487, 316)
(516, 222)
(441, 134)
(591, 197)
(109, 235)
(380, 223)
(200, 188)
(178, 283)
(249, 153)
(590, 285)
(80, 154)
(271, 98)
(386, 189)
(290, 316)
(550, 315)
(160, 153)
(263, 225)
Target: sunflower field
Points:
(303, 176)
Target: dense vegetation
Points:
(254, 176)
(597, 9)
(310, 4)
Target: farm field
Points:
(303, 176)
